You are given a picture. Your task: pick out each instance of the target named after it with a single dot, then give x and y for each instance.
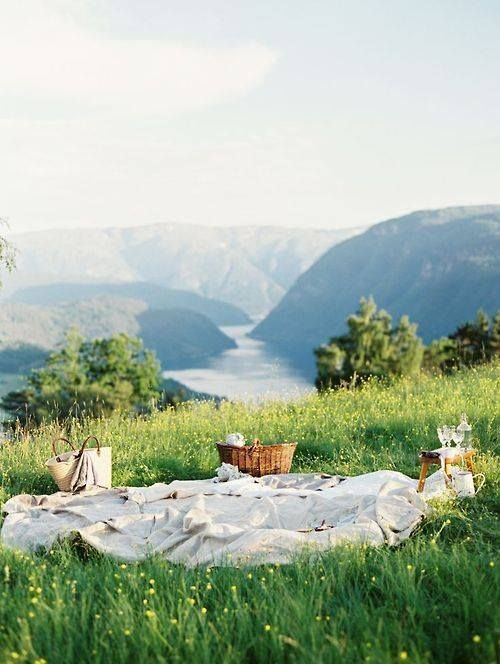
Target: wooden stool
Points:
(426, 461)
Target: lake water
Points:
(250, 372)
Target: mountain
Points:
(179, 337)
(156, 297)
(250, 267)
(438, 266)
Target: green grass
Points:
(433, 599)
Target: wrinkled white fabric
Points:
(226, 472)
(270, 519)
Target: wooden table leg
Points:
(470, 464)
(423, 473)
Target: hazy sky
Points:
(300, 113)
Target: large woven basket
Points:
(257, 459)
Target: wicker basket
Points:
(63, 466)
(259, 460)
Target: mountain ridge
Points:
(155, 296)
(250, 267)
(438, 266)
(180, 337)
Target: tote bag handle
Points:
(85, 443)
(80, 452)
(58, 439)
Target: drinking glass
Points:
(441, 435)
(452, 432)
(458, 437)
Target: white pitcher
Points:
(463, 483)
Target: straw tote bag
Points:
(63, 466)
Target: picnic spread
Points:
(253, 511)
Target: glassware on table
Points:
(441, 436)
(452, 434)
(444, 435)
(466, 428)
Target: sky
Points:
(327, 113)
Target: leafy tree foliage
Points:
(371, 347)
(478, 341)
(90, 378)
(474, 342)
(7, 252)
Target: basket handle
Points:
(256, 444)
(58, 439)
(85, 443)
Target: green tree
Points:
(371, 347)
(478, 341)
(473, 342)
(7, 252)
(441, 355)
(90, 378)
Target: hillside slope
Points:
(251, 267)
(156, 297)
(178, 336)
(438, 266)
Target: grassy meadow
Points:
(434, 599)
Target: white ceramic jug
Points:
(463, 483)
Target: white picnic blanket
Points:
(252, 520)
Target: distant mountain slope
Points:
(251, 267)
(178, 336)
(438, 266)
(156, 297)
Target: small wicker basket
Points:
(257, 459)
